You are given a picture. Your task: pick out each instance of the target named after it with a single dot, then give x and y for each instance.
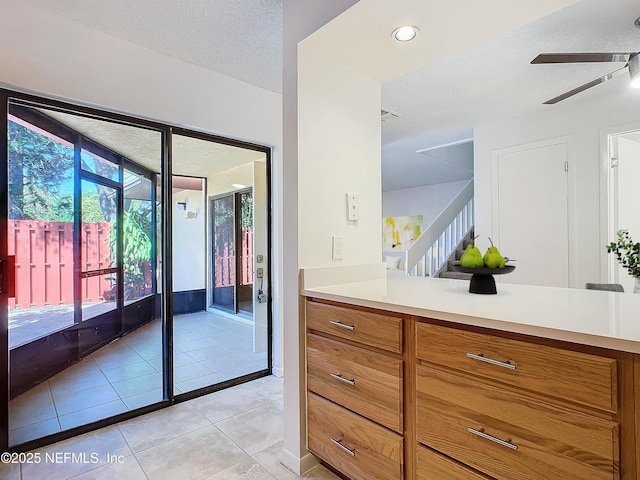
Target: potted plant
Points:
(628, 254)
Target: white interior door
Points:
(260, 251)
(625, 173)
(531, 213)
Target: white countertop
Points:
(602, 319)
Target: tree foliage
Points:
(136, 253)
(40, 176)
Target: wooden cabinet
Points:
(519, 408)
(368, 328)
(392, 397)
(355, 390)
(357, 447)
(433, 466)
(509, 435)
(566, 374)
(366, 382)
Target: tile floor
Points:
(234, 434)
(126, 374)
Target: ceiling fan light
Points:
(634, 71)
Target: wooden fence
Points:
(44, 262)
(225, 261)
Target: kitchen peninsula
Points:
(412, 378)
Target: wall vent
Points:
(386, 115)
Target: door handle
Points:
(8, 276)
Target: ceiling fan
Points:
(631, 60)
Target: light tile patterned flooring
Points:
(126, 374)
(233, 434)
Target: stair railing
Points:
(430, 252)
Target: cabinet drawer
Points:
(579, 377)
(373, 329)
(509, 436)
(367, 382)
(432, 466)
(354, 445)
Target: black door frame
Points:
(237, 232)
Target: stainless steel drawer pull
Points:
(342, 325)
(482, 358)
(505, 443)
(345, 449)
(337, 376)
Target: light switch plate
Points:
(338, 246)
(353, 207)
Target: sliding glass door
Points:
(221, 328)
(232, 252)
(128, 259)
(223, 226)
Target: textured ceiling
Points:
(447, 93)
(493, 80)
(238, 38)
(361, 37)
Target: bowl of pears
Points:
(483, 267)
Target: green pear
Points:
(471, 258)
(492, 258)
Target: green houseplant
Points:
(628, 255)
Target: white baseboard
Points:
(299, 466)
(277, 371)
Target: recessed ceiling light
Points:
(239, 185)
(405, 33)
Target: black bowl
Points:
(485, 270)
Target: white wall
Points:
(628, 214)
(339, 139)
(68, 59)
(581, 121)
(427, 201)
(299, 20)
(189, 242)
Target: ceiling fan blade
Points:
(581, 57)
(584, 87)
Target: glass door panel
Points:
(226, 336)
(67, 198)
(244, 233)
(93, 163)
(137, 237)
(223, 253)
(40, 230)
(41, 201)
(98, 249)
